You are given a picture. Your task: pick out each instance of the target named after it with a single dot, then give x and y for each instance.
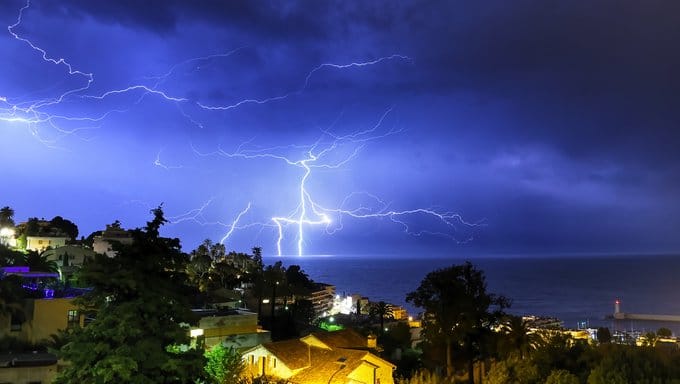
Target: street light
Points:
(340, 361)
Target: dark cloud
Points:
(272, 20)
(555, 121)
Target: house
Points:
(234, 328)
(325, 357)
(399, 313)
(102, 244)
(41, 318)
(42, 234)
(42, 242)
(45, 311)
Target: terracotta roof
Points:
(330, 366)
(345, 338)
(292, 353)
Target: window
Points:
(73, 318)
(15, 323)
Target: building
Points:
(322, 297)
(41, 318)
(102, 244)
(331, 357)
(41, 234)
(69, 255)
(45, 312)
(399, 313)
(235, 328)
(42, 242)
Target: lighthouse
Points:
(617, 306)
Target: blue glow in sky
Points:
(368, 127)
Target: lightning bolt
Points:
(232, 227)
(35, 113)
(197, 216)
(328, 152)
(308, 212)
(157, 162)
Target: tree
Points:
(650, 339)
(517, 336)
(458, 310)
(6, 217)
(65, 226)
(223, 275)
(604, 336)
(198, 269)
(11, 295)
(560, 376)
(223, 365)
(664, 332)
(512, 370)
(140, 330)
(425, 377)
(382, 311)
(10, 257)
(37, 261)
(256, 277)
(274, 276)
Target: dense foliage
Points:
(458, 311)
(141, 316)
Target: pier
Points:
(618, 315)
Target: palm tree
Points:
(383, 311)
(518, 336)
(39, 262)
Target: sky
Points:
(422, 128)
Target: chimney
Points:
(371, 341)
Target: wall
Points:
(44, 317)
(25, 375)
(254, 360)
(35, 243)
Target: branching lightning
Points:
(34, 113)
(330, 151)
(197, 216)
(310, 213)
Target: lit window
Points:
(73, 318)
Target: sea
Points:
(579, 290)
